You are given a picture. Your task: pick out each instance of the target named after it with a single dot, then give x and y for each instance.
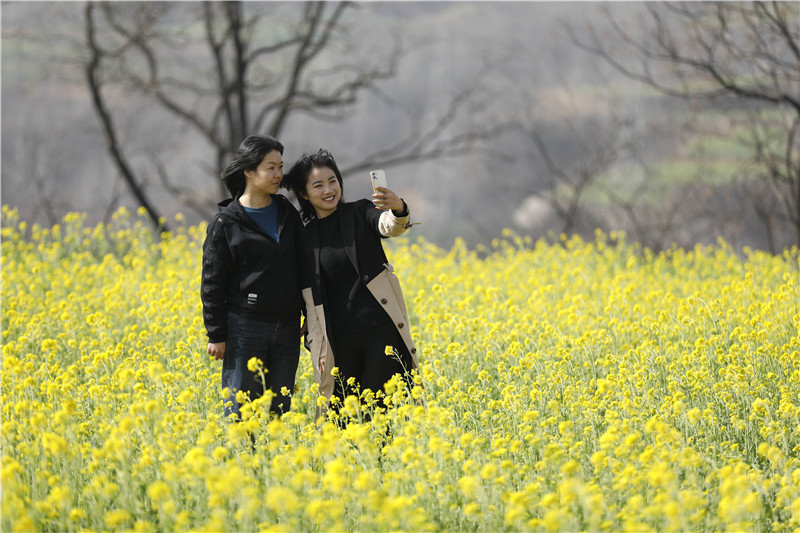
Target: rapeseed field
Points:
(563, 387)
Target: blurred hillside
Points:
(656, 158)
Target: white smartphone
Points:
(378, 178)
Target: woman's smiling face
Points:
(323, 191)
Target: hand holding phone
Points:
(382, 196)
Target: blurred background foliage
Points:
(677, 123)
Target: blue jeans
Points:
(276, 344)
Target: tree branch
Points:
(92, 73)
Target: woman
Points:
(354, 307)
(251, 284)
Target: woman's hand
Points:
(217, 349)
(321, 364)
(384, 198)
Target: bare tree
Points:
(595, 159)
(741, 55)
(95, 81)
(579, 141)
(567, 182)
(32, 160)
(260, 66)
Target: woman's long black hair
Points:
(247, 157)
(297, 179)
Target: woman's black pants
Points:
(362, 355)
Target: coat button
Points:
(413, 350)
(384, 301)
(401, 325)
(366, 278)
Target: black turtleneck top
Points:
(351, 307)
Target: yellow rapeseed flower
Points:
(254, 364)
(587, 384)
